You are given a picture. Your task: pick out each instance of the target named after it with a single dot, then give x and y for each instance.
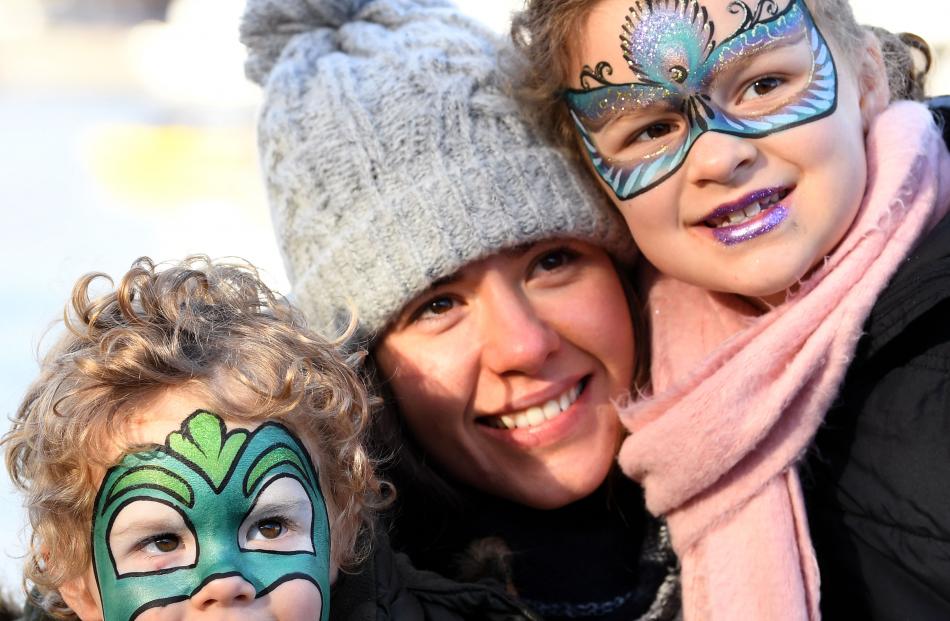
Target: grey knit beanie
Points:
(394, 154)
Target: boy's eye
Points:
(762, 86)
(162, 544)
(267, 529)
(146, 535)
(281, 519)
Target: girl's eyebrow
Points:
(737, 63)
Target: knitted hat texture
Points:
(394, 154)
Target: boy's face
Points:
(726, 134)
(219, 520)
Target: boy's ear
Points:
(873, 87)
(81, 595)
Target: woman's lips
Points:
(534, 435)
(536, 415)
(754, 215)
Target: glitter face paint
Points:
(212, 494)
(768, 220)
(669, 46)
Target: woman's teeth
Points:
(535, 415)
(750, 211)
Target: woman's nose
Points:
(224, 590)
(516, 339)
(717, 158)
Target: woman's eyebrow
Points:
(441, 282)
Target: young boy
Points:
(191, 449)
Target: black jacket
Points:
(877, 480)
(388, 587)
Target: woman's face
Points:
(504, 372)
(728, 134)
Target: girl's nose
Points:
(224, 590)
(516, 339)
(718, 157)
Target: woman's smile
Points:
(536, 415)
(545, 427)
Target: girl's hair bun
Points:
(907, 59)
(268, 25)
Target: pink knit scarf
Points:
(740, 397)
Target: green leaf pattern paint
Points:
(214, 481)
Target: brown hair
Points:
(546, 31)
(197, 326)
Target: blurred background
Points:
(127, 129)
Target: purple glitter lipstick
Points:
(748, 218)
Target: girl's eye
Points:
(652, 132)
(761, 87)
(162, 544)
(267, 529)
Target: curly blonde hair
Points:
(547, 32)
(191, 326)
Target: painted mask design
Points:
(669, 46)
(219, 500)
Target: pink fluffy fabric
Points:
(740, 394)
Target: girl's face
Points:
(504, 372)
(727, 133)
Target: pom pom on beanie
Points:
(394, 154)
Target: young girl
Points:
(795, 218)
(483, 269)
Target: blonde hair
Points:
(547, 32)
(198, 326)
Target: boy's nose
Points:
(717, 157)
(224, 590)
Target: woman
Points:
(484, 274)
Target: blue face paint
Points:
(669, 47)
(217, 500)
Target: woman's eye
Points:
(433, 307)
(267, 529)
(439, 306)
(555, 259)
(762, 86)
(162, 544)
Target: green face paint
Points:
(209, 504)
